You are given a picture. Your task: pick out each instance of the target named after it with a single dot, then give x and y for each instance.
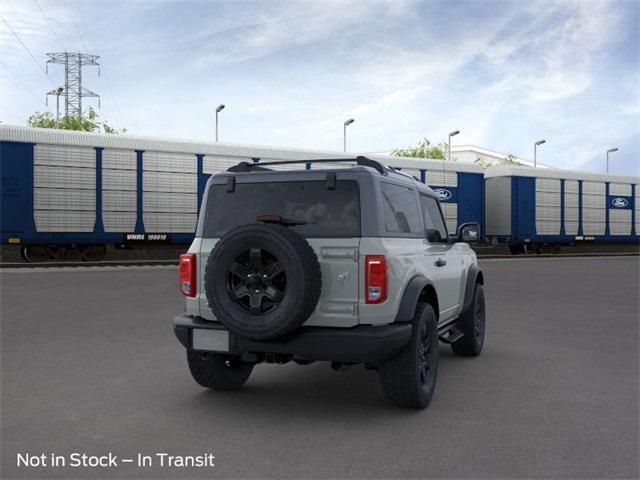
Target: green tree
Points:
(483, 162)
(86, 123)
(424, 149)
(510, 159)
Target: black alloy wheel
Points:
(257, 281)
(262, 281)
(472, 324)
(479, 320)
(409, 377)
(424, 356)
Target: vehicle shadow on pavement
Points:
(313, 390)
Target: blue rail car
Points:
(527, 208)
(77, 192)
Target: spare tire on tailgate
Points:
(262, 281)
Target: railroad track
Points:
(104, 263)
(146, 263)
(560, 255)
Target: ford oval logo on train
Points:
(443, 193)
(619, 202)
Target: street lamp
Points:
(535, 152)
(611, 150)
(344, 134)
(218, 110)
(452, 134)
(59, 91)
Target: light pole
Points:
(451, 134)
(611, 150)
(535, 152)
(218, 110)
(59, 91)
(344, 133)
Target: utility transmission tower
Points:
(73, 91)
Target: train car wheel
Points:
(93, 253)
(37, 253)
(516, 249)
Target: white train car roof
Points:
(427, 163)
(512, 171)
(125, 141)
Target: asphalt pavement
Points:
(89, 364)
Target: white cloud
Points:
(558, 85)
(256, 34)
(291, 72)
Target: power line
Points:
(21, 81)
(29, 34)
(50, 26)
(28, 51)
(10, 112)
(107, 84)
(73, 90)
(75, 26)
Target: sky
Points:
(504, 73)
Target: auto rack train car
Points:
(66, 191)
(529, 209)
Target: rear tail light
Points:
(375, 279)
(188, 274)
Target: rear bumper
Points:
(361, 344)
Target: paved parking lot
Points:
(90, 364)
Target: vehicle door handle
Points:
(440, 263)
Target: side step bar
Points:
(449, 332)
(454, 336)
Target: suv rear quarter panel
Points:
(405, 260)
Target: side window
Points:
(401, 212)
(436, 229)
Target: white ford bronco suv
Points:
(348, 265)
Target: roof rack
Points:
(360, 160)
(404, 174)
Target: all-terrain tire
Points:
(405, 379)
(472, 325)
(297, 292)
(219, 372)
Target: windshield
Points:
(316, 210)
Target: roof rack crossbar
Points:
(360, 160)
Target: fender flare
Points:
(410, 298)
(473, 276)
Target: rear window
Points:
(325, 213)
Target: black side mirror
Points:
(469, 232)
